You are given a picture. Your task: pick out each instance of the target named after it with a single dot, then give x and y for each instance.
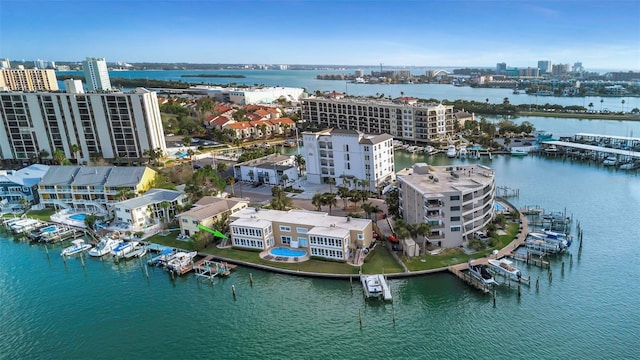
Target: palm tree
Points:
(165, 207)
(590, 107)
(42, 154)
(59, 157)
(422, 229)
(285, 179)
(231, 181)
(221, 167)
(330, 200)
(331, 181)
(375, 210)
(623, 105)
(343, 192)
(299, 160)
(76, 152)
(366, 207)
(601, 104)
(317, 201)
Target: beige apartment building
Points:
(28, 80)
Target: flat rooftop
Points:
(442, 179)
(302, 217)
(269, 161)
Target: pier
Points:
(209, 269)
(462, 274)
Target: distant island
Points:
(234, 76)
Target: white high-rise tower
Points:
(96, 74)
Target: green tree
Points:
(330, 200)
(231, 182)
(316, 201)
(393, 202)
(42, 155)
(186, 140)
(299, 161)
(59, 157)
(332, 182)
(76, 152)
(221, 167)
(344, 193)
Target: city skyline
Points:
(458, 33)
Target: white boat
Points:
(481, 272)
(77, 247)
(24, 225)
(462, 152)
(627, 166)
(551, 149)
(106, 245)
(610, 161)
(180, 261)
(515, 152)
(372, 285)
(451, 151)
(163, 258)
(505, 268)
(124, 248)
(139, 251)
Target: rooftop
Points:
(270, 161)
(153, 196)
(441, 179)
(210, 206)
(111, 176)
(303, 217)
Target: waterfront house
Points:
(153, 207)
(270, 169)
(207, 211)
(322, 235)
(20, 187)
(92, 188)
(243, 130)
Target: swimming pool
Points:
(78, 217)
(48, 229)
(498, 206)
(280, 251)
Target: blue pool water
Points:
(280, 251)
(498, 206)
(49, 229)
(78, 217)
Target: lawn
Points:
(170, 240)
(380, 261)
(456, 256)
(44, 214)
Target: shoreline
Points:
(586, 116)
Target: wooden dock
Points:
(209, 269)
(458, 271)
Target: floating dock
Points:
(460, 272)
(209, 269)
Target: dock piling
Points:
(251, 279)
(519, 292)
(570, 260)
(538, 284)
(562, 269)
(46, 250)
(146, 271)
(550, 276)
(360, 318)
(494, 298)
(233, 291)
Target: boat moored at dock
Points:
(123, 249)
(375, 286)
(481, 272)
(506, 268)
(78, 247)
(181, 262)
(106, 245)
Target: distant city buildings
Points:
(107, 125)
(96, 74)
(348, 155)
(456, 201)
(28, 80)
(261, 95)
(5, 64)
(544, 66)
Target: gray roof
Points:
(111, 176)
(29, 176)
(153, 196)
(268, 161)
(375, 139)
(210, 206)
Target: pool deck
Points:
(265, 255)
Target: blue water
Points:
(78, 217)
(49, 229)
(280, 251)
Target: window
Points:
(285, 240)
(455, 197)
(455, 208)
(360, 236)
(455, 218)
(455, 228)
(302, 230)
(285, 228)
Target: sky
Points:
(600, 34)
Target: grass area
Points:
(381, 261)
(44, 214)
(455, 256)
(170, 240)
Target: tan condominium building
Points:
(317, 233)
(405, 120)
(28, 80)
(456, 201)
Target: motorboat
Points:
(372, 285)
(180, 261)
(78, 247)
(462, 152)
(551, 149)
(163, 258)
(124, 248)
(505, 268)
(451, 151)
(139, 251)
(106, 245)
(610, 161)
(481, 272)
(515, 152)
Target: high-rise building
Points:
(544, 66)
(5, 64)
(22, 79)
(577, 67)
(40, 64)
(73, 86)
(559, 69)
(96, 74)
(345, 155)
(501, 68)
(456, 201)
(111, 125)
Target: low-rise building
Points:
(207, 211)
(348, 154)
(321, 235)
(20, 187)
(92, 188)
(151, 208)
(274, 169)
(455, 201)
